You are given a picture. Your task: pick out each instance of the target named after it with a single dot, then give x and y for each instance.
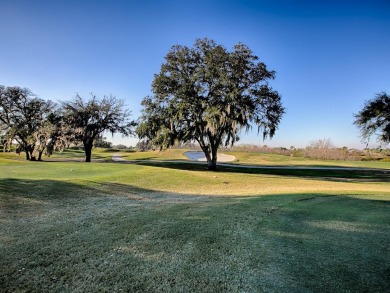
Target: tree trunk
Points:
(210, 154)
(31, 153)
(32, 156)
(211, 160)
(27, 155)
(88, 151)
(212, 165)
(40, 155)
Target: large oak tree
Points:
(88, 119)
(208, 94)
(374, 118)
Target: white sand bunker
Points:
(199, 156)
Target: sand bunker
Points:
(199, 156)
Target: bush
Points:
(120, 147)
(326, 153)
(263, 149)
(324, 149)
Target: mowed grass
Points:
(242, 158)
(112, 227)
(255, 158)
(106, 154)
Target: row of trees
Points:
(40, 127)
(204, 94)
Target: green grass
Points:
(106, 154)
(79, 154)
(171, 154)
(242, 158)
(255, 158)
(111, 227)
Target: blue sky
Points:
(330, 56)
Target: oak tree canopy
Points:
(88, 119)
(208, 94)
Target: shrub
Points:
(324, 149)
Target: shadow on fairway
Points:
(313, 243)
(357, 175)
(16, 194)
(42, 189)
(119, 236)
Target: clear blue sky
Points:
(330, 56)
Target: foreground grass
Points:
(76, 227)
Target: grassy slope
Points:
(76, 227)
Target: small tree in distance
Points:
(208, 94)
(374, 118)
(89, 119)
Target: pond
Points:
(199, 156)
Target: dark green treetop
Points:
(208, 94)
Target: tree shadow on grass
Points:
(156, 241)
(322, 172)
(312, 243)
(26, 198)
(18, 194)
(281, 243)
(327, 173)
